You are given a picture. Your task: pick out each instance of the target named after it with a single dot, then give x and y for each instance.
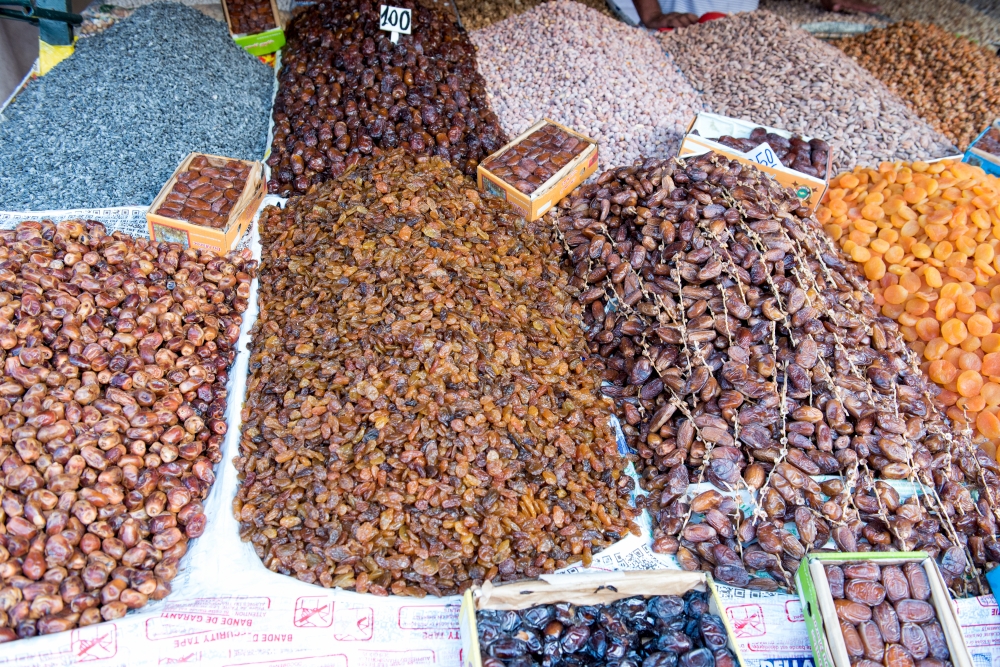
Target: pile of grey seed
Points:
(109, 125)
(575, 65)
(760, 68)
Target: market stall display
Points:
(923, 234)
(346, 91)
(108, 126)
(950, 82)
(743, 352)
(115, 365)
(783, 77)
(419, 386)
(600, 77)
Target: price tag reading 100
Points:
(396, 20)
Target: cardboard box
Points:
(261, 43)
(825, 635)
(190, 235)
(989, 162)
(709, 125)
(582, 589)
(548, 194)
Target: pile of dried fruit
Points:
(248, 17)
(743, 352)
(884, 615)
(809, 157)
(799, 84)
(346, 91)
(535, 159)
(952, 83)
(927, 237)
(419, 413)
(660, 631)
(115, 354)
(204, 194)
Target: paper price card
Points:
(764, 155)
(396, 20)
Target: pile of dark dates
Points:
(744, 352)
(346, 91)
(659, 631)
(531, 162)
(885, 615)
(807, 157)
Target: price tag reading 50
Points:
(764, 155)
(396, 20)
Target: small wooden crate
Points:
(190, 235)
(261, 43)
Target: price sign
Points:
(764, 155)
(396, 20)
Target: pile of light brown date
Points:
(346, 91)
(420, 413)
(115, 354)
(747, 357)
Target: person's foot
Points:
(850, 6)
(671, 20)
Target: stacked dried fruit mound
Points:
(745, 354)
(346, 91)
(115, 353)
(952, 83)
(927, 236)
(420, 414)
(800, 84)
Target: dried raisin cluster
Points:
(420, 412)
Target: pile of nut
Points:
(346, 91)
(808, 157)
(531, 162)
(659, 631)
(926, 237)
(743, 352)
(949, 81)
(249, 17)
(204, 194)
(420, 413)
(478, 14)
(990, 142)
(115, 353)
(885, 616)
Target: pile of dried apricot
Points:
(927, 237)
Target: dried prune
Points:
(852, 640)
(937, 644)
(864, 592)
(835, 576)
(913, 638)
(894, 581)
(852, 612)
(885, 617)
(871, 639)
(920, 586)
(914, 611)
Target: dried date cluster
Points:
(990, 142)
(531, 162)
(115, 353)
(743, 352)
(659, 631)
(346, 91)
(808, 157)
(885, 615)
(249, 17)
(420, 415)
(204, 194)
